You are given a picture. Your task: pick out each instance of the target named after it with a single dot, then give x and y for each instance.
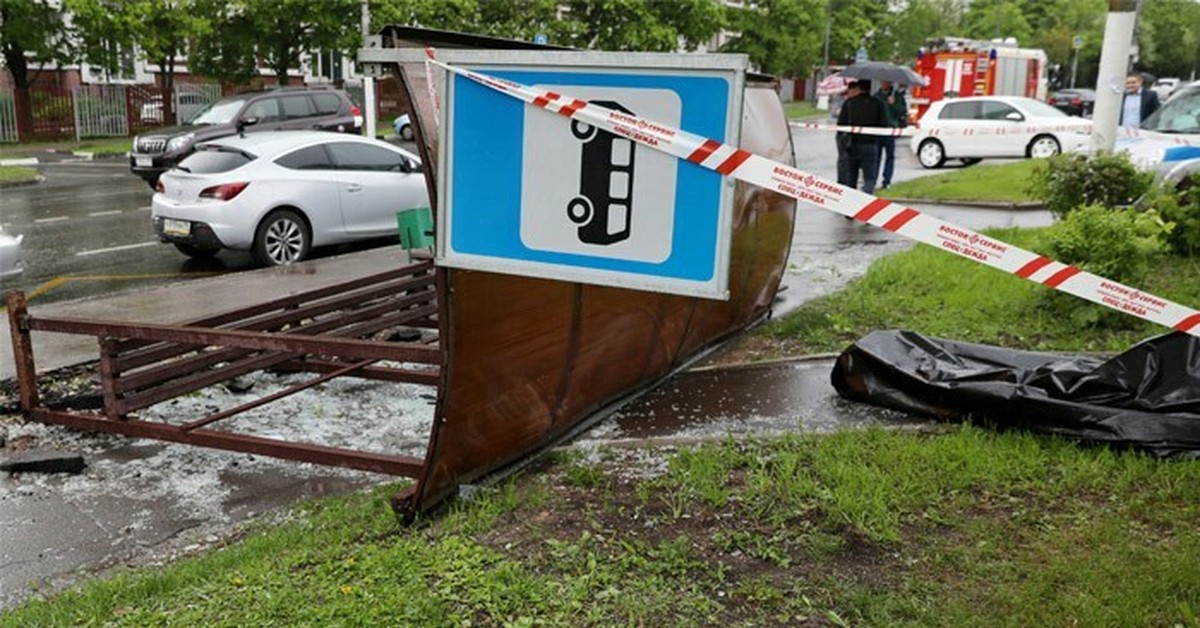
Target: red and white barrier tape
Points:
(996, 130)
(429, 85)
(809, 188)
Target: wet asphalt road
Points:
(55, 525)
(88, 232)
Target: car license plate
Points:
(176, 227)
(144, 162)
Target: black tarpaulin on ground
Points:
(1147, 398)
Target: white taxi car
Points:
(979, 127)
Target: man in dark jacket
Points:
(1139, 102)
(862, 151)
(896, 110)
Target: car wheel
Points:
(282, 238)
(1043, 146)
(406, 133)
(970, 161)
(931, 154)
(194, 251)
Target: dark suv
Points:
(282, 109)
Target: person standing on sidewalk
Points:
(862, 151)
(895, 109)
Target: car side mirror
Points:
(242, 123)
(1014, 116)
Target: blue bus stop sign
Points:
(527, 191)
(540, 39)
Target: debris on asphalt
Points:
(43, 461)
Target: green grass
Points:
(993, 183)
(13, 174)
(939, 294)
(803, 109)
(98, 146)
(873, 528)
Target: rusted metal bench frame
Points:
(325, 331)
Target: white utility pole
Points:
(369, 112)
(1114, 63)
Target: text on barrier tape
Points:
(997, 130)
(814, 190)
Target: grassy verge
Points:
(17, 174)
(939, 294)
(99, 146)
(803, 109)
(881, 528)
(994, 183)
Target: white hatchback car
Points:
(978, 127)
(280, 194)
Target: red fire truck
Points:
(965, 67)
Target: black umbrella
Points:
(883, 71)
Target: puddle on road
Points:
(747, 400)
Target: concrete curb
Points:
(62, 156)
(4, 185)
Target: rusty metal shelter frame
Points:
(518, 363)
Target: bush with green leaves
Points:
(1065, 182)
(1119, 244)
(1179, 205)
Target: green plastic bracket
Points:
(416, 228)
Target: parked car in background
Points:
(279, 195)
(402, 125)
(1074, 102)
(979, 127)
(1163, 87)
(152, 109)
(1182, 86)
(11, 262)
(1168, 142)
(281, 109)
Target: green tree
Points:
(159, 29)
(31, 28)
(989, 19)
(908, 25)
(277, 31)
(852, 24)
(1169, 37)
(100, 29)
(781, 37)
(655, 25)
(1055, 27)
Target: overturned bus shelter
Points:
(514, 362)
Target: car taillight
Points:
(158, 186)
(1076, 101)
(355, 111)
(225, 191)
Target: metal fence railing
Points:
(8, 117)
(101, 111)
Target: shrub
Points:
(1181, 206)
(1119, 244)
(1065, 182)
